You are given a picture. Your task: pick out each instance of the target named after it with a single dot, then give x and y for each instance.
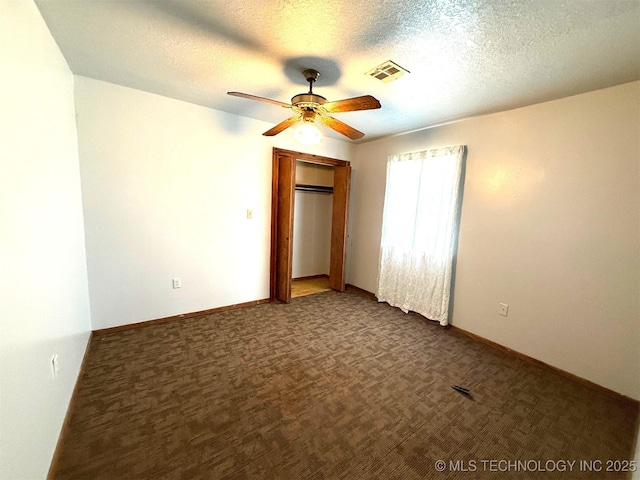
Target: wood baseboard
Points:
(540, 363)
(53, 467)
(529, 359)
(157, 321)
(362, 290)
(310, 277)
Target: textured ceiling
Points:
(466, 57)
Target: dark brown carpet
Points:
(331, 386)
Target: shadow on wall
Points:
(235, 124)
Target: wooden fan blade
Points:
(366, 102)
(281, 126)
(342, 128)
(260, 99)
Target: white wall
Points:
(44, 304)
(312, 234)
(166, 185)
(550, 225)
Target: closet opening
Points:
(310, 197)
(313, 208)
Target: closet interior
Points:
(313, 205)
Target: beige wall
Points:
(166, 188)
(550, 225)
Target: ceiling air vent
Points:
(387, 71)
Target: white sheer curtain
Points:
(419, 230)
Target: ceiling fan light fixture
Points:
(307, 133)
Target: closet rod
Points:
(313, 188)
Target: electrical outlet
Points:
(503, 309)
(55, 366)
(176, 282)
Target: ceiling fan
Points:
(309, 106)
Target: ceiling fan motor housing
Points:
(308, 100)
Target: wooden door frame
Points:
(338, 224)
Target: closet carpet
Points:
(333, 385)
